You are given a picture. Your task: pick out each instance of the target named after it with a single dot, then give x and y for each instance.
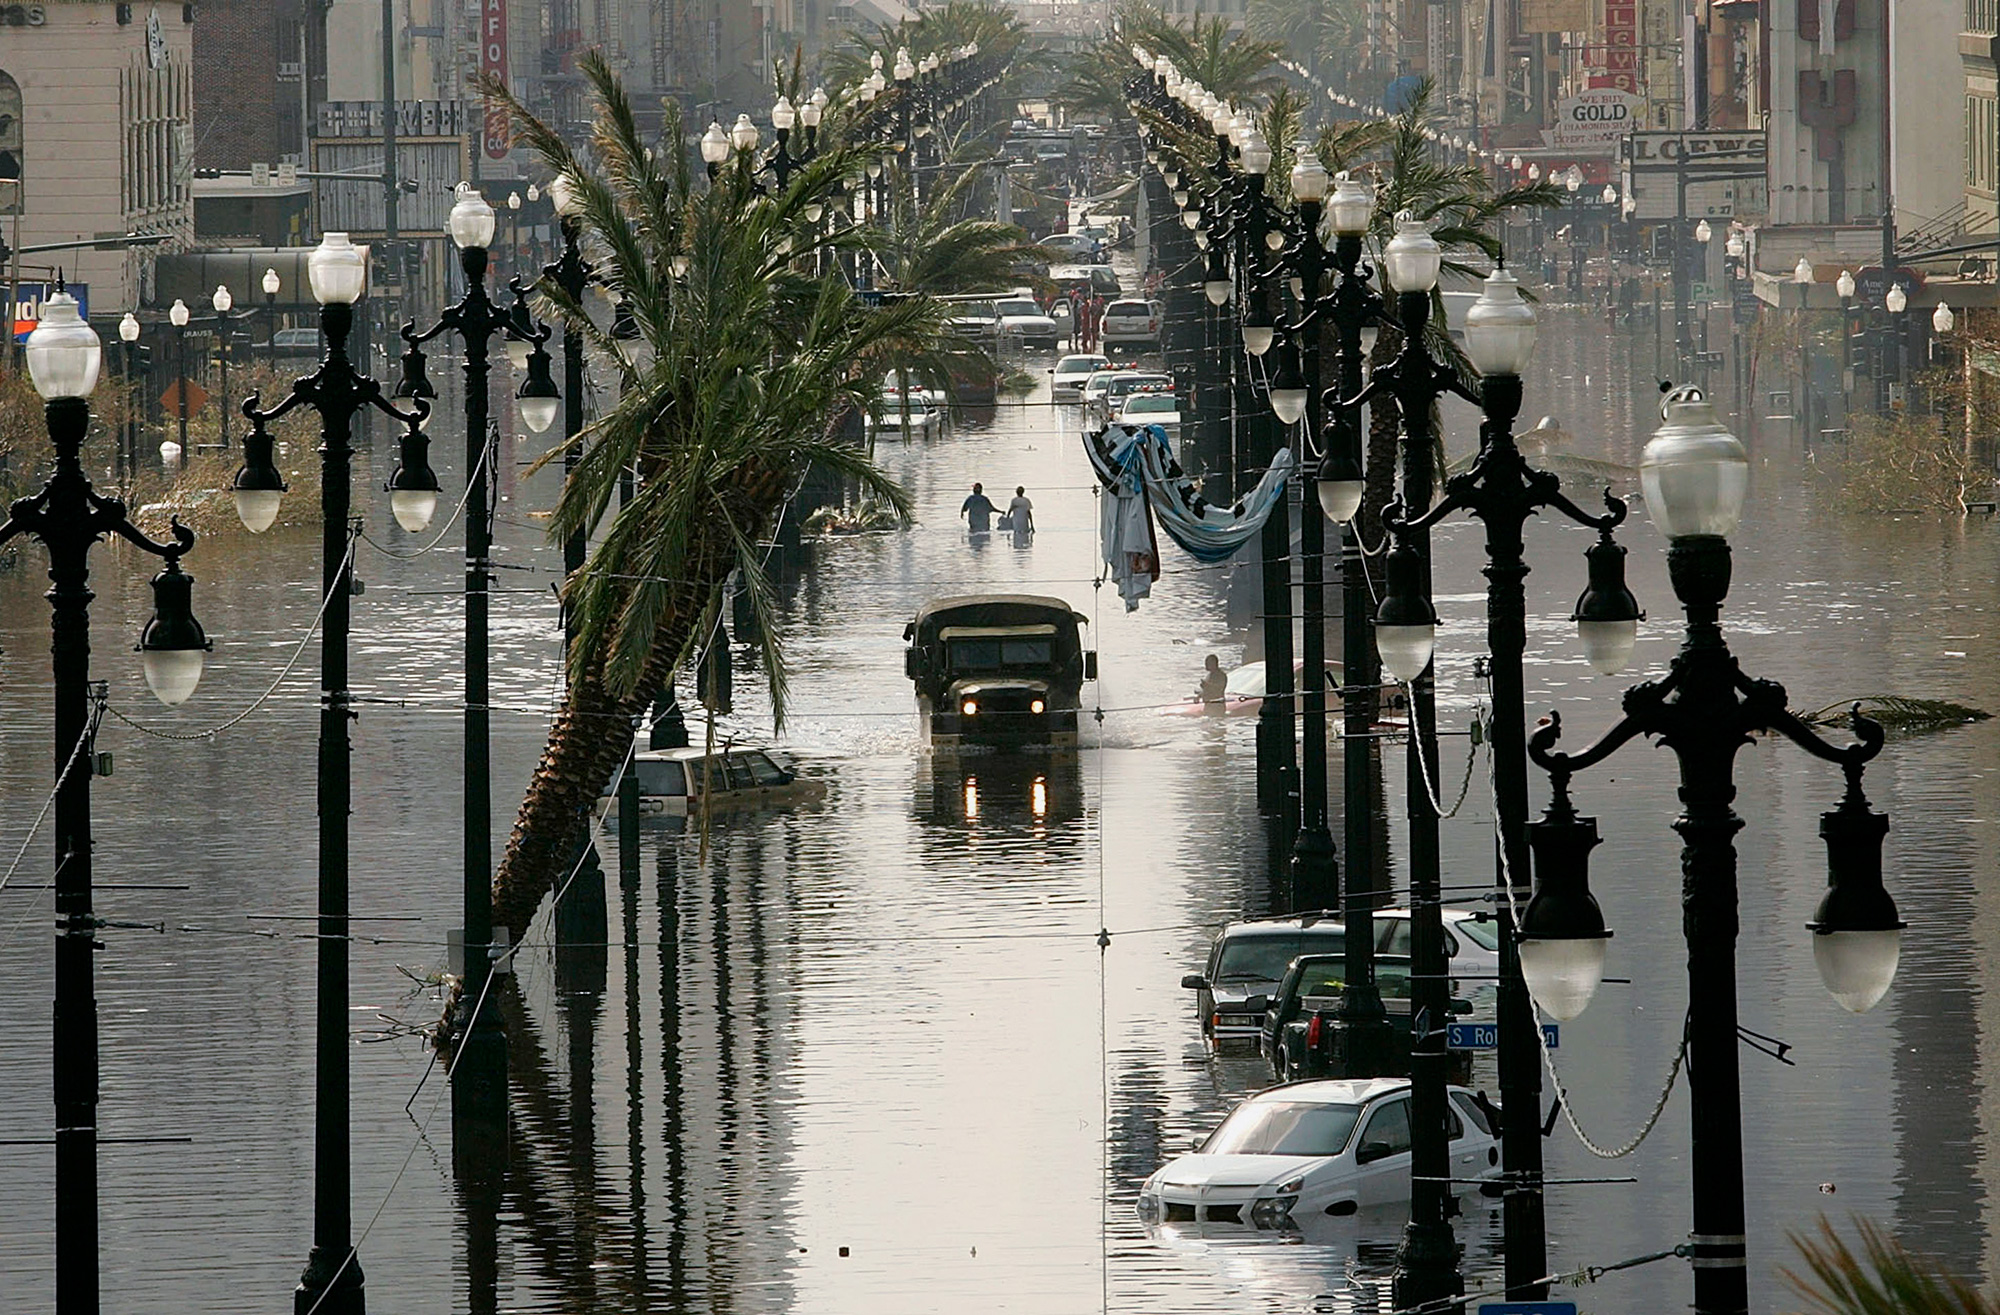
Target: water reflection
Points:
(886, 1023)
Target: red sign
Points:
(493, 62)
(1619, 56)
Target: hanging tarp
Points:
(1138, 462)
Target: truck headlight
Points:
(969, 707)
(1037, 706)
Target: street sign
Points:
(1526, 1308)
(260, 174)
(1486, 1036)
(288, 174)
(1703, 292)
(170, 400)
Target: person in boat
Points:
(1214, 684)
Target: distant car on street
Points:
(1021, 317)
(291, 342)
(1151, 408)
(1080, 247)
(1132, 323)
(1068, 375)
(1306, 1149)
(1101, 403)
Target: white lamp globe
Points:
(1257, 338)
(743, 134)
(714, 144)
(1734, 246)
(1500, 327)
(1352, 207)
(1694, 472)
(1803, 271)
(518, 351)
(1309, 177)
(470, 222)
(177, 314)
(534, 193)
(271, 283)
(337, 271)
(1405, 650)
(784, 114)
(514, 198)
(1942, 320)
(563, 195)
(64, 353)
(172, 674)
(1413, 256)
(1843, 286)
(128, 328)
(1562, 974)
(222, 300)
(1609, 195)
(1702, 232)
(1255, 156)
(413, 508)
(1897, 300)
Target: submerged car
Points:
(1247, 961)
(1327, 1147)
(1151, 408)
(998, 670)
(676, 782)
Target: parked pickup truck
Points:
(1298, 1032)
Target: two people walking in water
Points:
(1019, 518)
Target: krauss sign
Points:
(1595, 119)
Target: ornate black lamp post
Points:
(1405, 631)
(332, 1282)
(223, 303)
(270, 284)
(69, 517)
(784, 116)
(1365, 1042)
(1694, 473)
(128, 434)
(479, 1043)
(1503, 491)
(177, 315)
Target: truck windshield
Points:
(1284, 1127)
(1000, 654)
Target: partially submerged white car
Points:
(1312, 1149)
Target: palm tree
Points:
(1327, 35)
(1455, 198)
(1884, 1279)
(752, 363)
(927, 246)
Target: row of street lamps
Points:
(1694, 475)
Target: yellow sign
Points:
(1555, 15)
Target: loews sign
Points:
(23, 15)
(1712, 153)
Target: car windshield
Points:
(1138, 308)
(1150, 402)
(1080, 365)
(1284, 1127)
(1265, 957)
(1486, 935)
(1018, 308)
(973, 310)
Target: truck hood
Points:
(959, 688)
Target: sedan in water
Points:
(1070, 374)
(1312, 1149)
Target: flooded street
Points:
(867, 1055)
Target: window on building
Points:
(158, 150)
(12, 154)
(1982, 135)
(1982, 16)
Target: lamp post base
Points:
(1315, 873)
(1427, 1267)
(328, 1288)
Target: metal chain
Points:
(1424, 767)
(1542, 1041)
(485, 451)
(339, 578)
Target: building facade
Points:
(100, 143)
